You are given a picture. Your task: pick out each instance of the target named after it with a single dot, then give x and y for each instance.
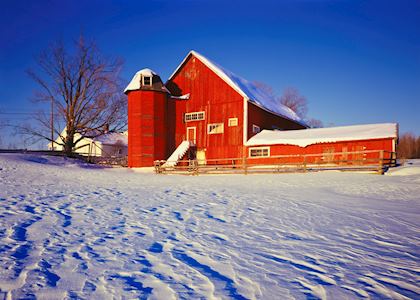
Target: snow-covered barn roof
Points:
(245, 88)
(305, 137)
(135, 82)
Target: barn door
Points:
(191, 134)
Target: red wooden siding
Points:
(147, 127)
(219, 101)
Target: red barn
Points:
(207, 112)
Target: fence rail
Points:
(377, 161)
(101, 160)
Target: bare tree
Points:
(314, 123)
(295, 101)
(83, 91)
(265, 88)
(408, 146)
(292, 99)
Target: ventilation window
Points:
(233, 122)
(147, 80)
(259, 152)
(194, 116)
(255, 128)
(215, 128)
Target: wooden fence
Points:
(101, 160)
(377, 161)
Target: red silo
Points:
(147, 119)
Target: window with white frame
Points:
(194, 116)
(255, 128)
(147, 80)
(233, 122)
(259, 152)
(215, 128)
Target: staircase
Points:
(178, 154)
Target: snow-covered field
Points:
(72, 231)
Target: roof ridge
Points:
(245, 88)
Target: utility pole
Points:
(52, 124)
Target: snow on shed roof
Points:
(112, 138)
(305, 137)
(135, 82)
(245, 88)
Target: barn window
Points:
(147, 80)
(215, 128)
(233, 122)
(194, 116)
(259, 152)
(255, 128)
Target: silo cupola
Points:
(146, 79)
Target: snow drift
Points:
(71, 231)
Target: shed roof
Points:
(305, 137)
(245, 88)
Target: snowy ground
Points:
(68, 230)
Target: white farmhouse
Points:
(111, 144)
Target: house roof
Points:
(112, 138)
(245, 88)
(305, 137)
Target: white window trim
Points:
(259, 148)
(256, 128)
(195, 134)
(222, 126)
(234, 120)
(245, 122)
(197, 113)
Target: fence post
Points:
(244, 165)
(393, 159)
(196, 171)
(381, 162)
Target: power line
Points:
(16, 113)
(24, 113)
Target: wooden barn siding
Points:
(147, 128)
(218, 100)
(266, 120)
(345, 146)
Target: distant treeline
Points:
(408, 146)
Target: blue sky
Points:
(356, 62)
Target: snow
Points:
(410, 167)
(311, 136)
(73, 230)
(183, 97)
(246, 89)
(177, 154)
(135, 82)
